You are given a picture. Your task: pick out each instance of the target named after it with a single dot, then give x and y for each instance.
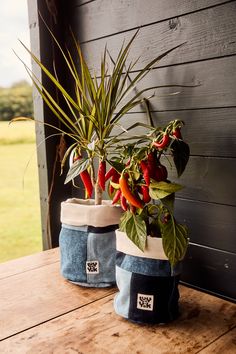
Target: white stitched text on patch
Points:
(92, 267)
(145, 302)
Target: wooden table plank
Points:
(38, 295)
(26, 263)
(97, 329)
(225, 344)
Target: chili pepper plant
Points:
(144, 191)
(93, 110)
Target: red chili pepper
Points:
(114, 178)
(145, 170)
(110, 173)
(86, 179)
(116, 197)
(152, 163)
(160, 173)
(145, 193)
(123, 203)
(132, 209)
(131, 198)
(111, 189)
(163, 143)
(177, 133)
(101, 174)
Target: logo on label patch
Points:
(145, 302)
(92, 267)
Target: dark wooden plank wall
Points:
(207, 60)
(208, 202)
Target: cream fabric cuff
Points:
(79, 212)
(154, 248)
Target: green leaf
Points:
(153, 209)
(77, 167)
(174, 240)
(115, 185)
(154, 228)
(53, 79)
(123, 220)
(158, 193)
(160, 190)
(168, 202)
(135, 175)
(165, 186)
(141, 153)
(66, 155)
(181, 152)
(118, 166)
(136, 231)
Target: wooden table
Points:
(43, 313)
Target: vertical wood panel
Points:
(48, 164)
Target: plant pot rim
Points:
(89, 202)
(81, 212)
(154, 248)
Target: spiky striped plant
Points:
(95, 107)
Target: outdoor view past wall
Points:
(20, 229)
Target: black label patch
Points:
(92, 267)
(145, 302)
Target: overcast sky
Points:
(13, 26)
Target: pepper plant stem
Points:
(98, 194)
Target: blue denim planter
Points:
(88, 252)
(148, 287)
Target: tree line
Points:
(16, 101)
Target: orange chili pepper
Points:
(126, 192)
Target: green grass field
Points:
(20, 232)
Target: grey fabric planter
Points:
(87, 242)
(148, 286)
